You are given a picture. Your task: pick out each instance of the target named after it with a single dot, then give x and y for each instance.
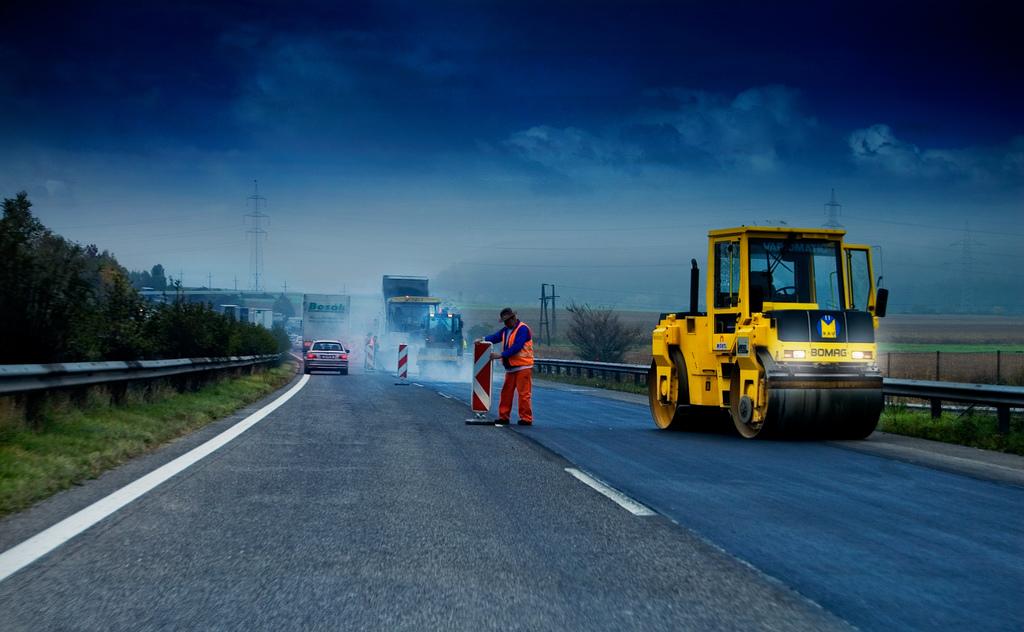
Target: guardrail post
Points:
(1003, 419)
(936, 408)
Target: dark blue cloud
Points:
(397, 86)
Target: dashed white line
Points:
(445, 395)
(615, 495)
(19, 556)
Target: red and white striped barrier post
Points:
(481, 384)
(403, 363)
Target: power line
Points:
(832, 211)
(256, 234)
(1001, 233)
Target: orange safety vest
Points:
(525, 355)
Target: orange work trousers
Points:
(521, 381)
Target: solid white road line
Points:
(615, 495)
(17, 557)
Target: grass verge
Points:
(976, 429)
(75, 443)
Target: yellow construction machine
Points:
(787, 345)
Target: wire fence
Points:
(991, 367)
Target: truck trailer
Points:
(325, 317)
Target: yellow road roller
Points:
(786, 347)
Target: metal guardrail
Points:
(23, 378)
(1002, 398)
(584, 368)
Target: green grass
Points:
(72, 444)
(974, 429)
(626, 386)
(925, 347)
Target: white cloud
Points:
(878, 147)
(751, 131)
(552, 147)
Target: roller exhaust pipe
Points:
(694, 283)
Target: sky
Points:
(496, 146)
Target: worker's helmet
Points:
(506, 314)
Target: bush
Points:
(598, 335)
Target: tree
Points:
(598, 334)
(157, 278)
(153, 279)
(45, 289)
(62, 302)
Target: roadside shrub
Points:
(598, 334)
(63, 302)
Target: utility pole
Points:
(256, 234)
(236, 282)
(547, 318)
(554, 312)
(209, 280)
(542, 325)
(285, 287)
(832, 211)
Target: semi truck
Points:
(325, 317)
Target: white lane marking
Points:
(615, 495)
(19, 556)
(445, 395)
(416, 384)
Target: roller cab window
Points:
(859, 278)
(727, 286)
(798, 271)
(727, 275)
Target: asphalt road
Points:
(359, 504)
(882, 543)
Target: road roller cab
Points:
(787, 345)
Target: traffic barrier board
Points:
(482, 377)
(403, 363)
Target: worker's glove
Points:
(495, 355)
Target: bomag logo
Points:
(828, 327)
(323, 307)
(828, 353)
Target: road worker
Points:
(517, 357)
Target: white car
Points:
(326, 355)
